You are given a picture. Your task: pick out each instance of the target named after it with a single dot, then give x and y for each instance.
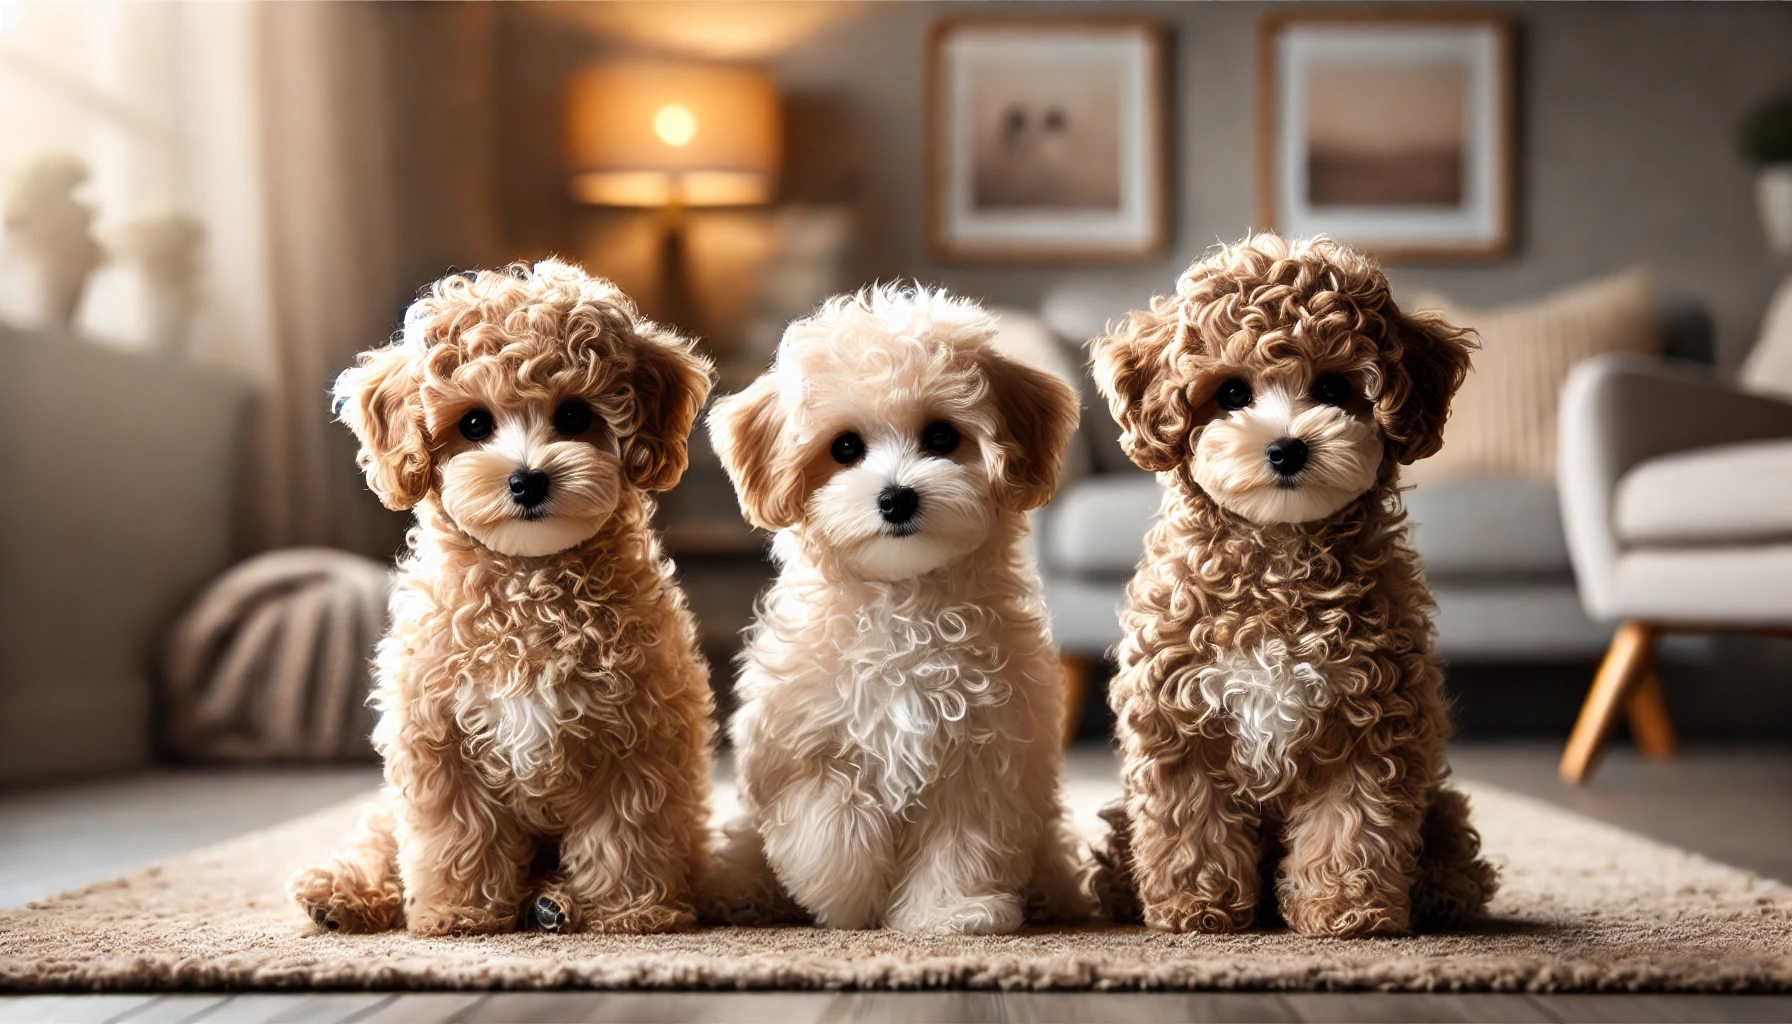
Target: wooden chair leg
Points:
(1650, 725)
(1076, 691)
(1629, 658)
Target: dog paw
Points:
(323, 918)
(1185, 913)
(1346, 920)
(644, 920)
(335, 903)
(987, 915)
(431, 922)
(549, 914)
(996, 914)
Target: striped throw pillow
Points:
(1503, 422)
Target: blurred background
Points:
(210, 208)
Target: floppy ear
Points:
(1430, 360)
(379, 399)
(670, 383)
(1145, 393)
(1039, 413)
(746, 430)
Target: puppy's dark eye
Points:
(573, 417)
(940, 438)
(477, 425)
(1234, 394)
(848, 448)
(1332, 389)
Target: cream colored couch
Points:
(1676, 491)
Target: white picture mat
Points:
(1480, 219)
(1133, 223)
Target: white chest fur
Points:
(527, 729)
(914, 673)
(1272, 704)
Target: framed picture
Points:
(1046, 139)
(1390, 132)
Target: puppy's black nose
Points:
(898, 504)
(529, 487)
(1287, 455)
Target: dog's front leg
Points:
(830, 844)
(967, 859)
(1195, 846)
(1352, 855)
(627, 856)
(462, 855)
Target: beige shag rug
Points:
(1583, 907)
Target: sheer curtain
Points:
(268, 121)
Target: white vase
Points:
(1773, 192)
(40, 292)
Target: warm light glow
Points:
(649, 133)
(657, 188)
(730, 30)
(674, 124)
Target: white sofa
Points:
(1677, 493)
(121, 475)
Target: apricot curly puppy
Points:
(545, 715)
(899, 739)
(1279, 712)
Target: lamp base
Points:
(675, 305)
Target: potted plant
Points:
(1767, 140)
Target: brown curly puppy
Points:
(545, 715)
(1279, 713)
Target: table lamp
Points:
(672, 135)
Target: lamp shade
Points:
(650, 134)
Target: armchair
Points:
(1676, 492)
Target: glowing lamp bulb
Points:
(674, 124)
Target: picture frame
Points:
(1392, 132)
(1047, 139)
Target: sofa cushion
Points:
(1082, 309)
(1729, 587)
(1730, 494)
(1503, 421)
(1491, 526)
(1470, 527)
(1098, 525)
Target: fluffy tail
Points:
(1111, 882)
(359, 889)
(1454, 883)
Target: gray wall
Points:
(1627, 130)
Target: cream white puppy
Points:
(899, 734)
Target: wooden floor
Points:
(60, 837)
(812, 1008)
(1735, 806)
(1732, 805)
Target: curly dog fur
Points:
(545, 715)
(898, 740)
(1280, 719)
